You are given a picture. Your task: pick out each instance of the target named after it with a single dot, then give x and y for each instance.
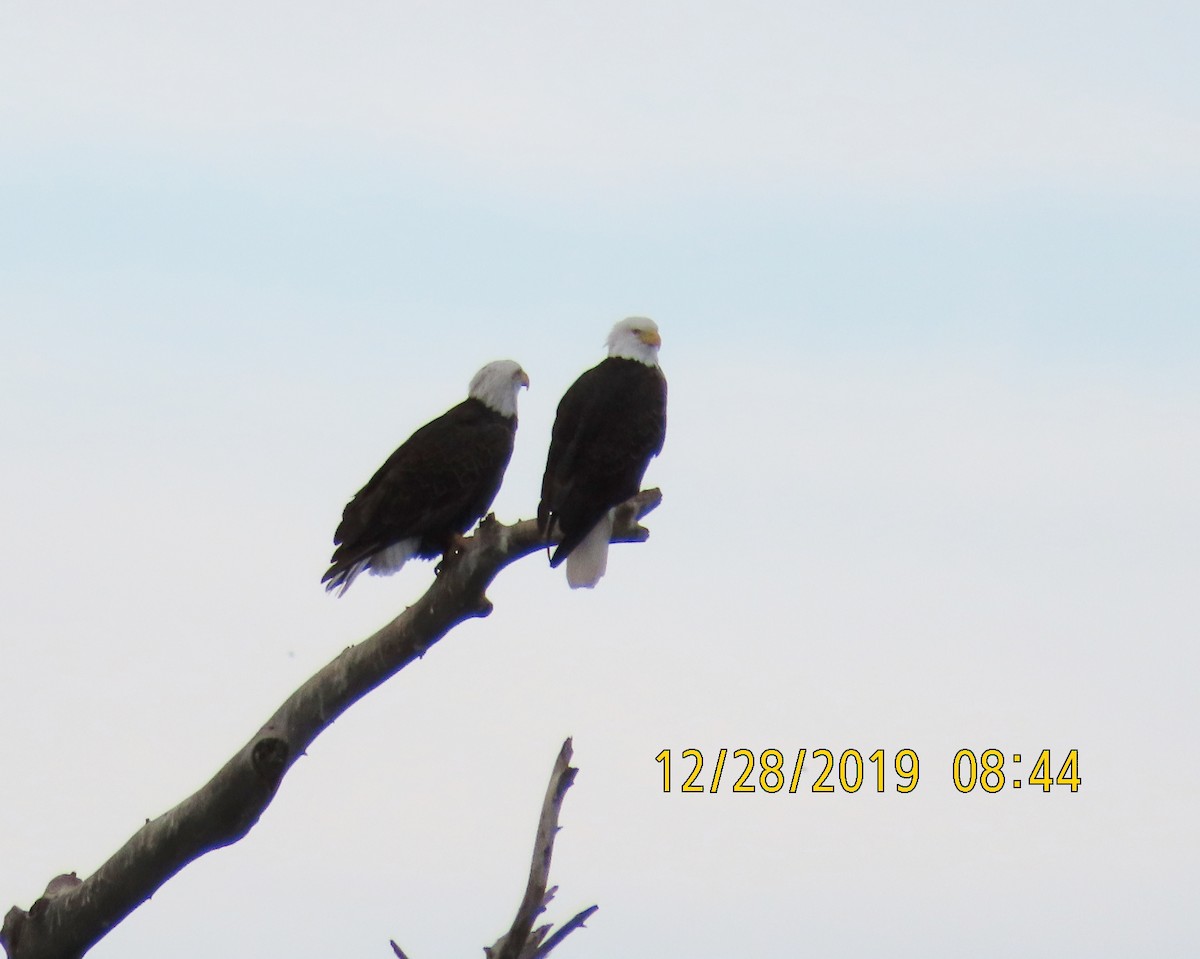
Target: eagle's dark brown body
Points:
(435, 486)
(610, 423)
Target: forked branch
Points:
(523, 941)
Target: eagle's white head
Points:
(496, 386)
(635, 338)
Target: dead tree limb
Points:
(73, 916)
(522, 941)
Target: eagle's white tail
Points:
(384, 563)
(391, 558)
(589, 559)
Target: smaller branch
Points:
(522, 941)
(566, 929)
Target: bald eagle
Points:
(609, 425)
(435, 486)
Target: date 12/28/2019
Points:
(744, 771)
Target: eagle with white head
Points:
(610, 423)
(435, 486)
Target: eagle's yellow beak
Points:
(650, 337)
(523, 379)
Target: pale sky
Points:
(927, 288)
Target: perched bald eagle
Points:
(610, 423)
(435, 486)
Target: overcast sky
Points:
(926, 280)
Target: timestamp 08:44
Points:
(770, 771)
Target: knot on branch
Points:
(269, 758)
(483, 607)
(58, 886)
(491, 530)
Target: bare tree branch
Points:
(575, 922)
(66, 924)
(522, 941)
